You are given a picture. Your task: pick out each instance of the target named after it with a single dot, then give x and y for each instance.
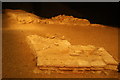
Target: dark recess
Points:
(101, 12)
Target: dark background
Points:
(101, 12)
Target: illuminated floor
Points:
(18, 60)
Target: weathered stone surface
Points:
(25, 17)
(22, 16)
(63, 19)
(60, 53)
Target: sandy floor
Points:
(19, 62)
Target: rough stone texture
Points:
(22, 16)
(63, 19)
(25, 17)
(60, 53)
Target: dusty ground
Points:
(19, 62)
